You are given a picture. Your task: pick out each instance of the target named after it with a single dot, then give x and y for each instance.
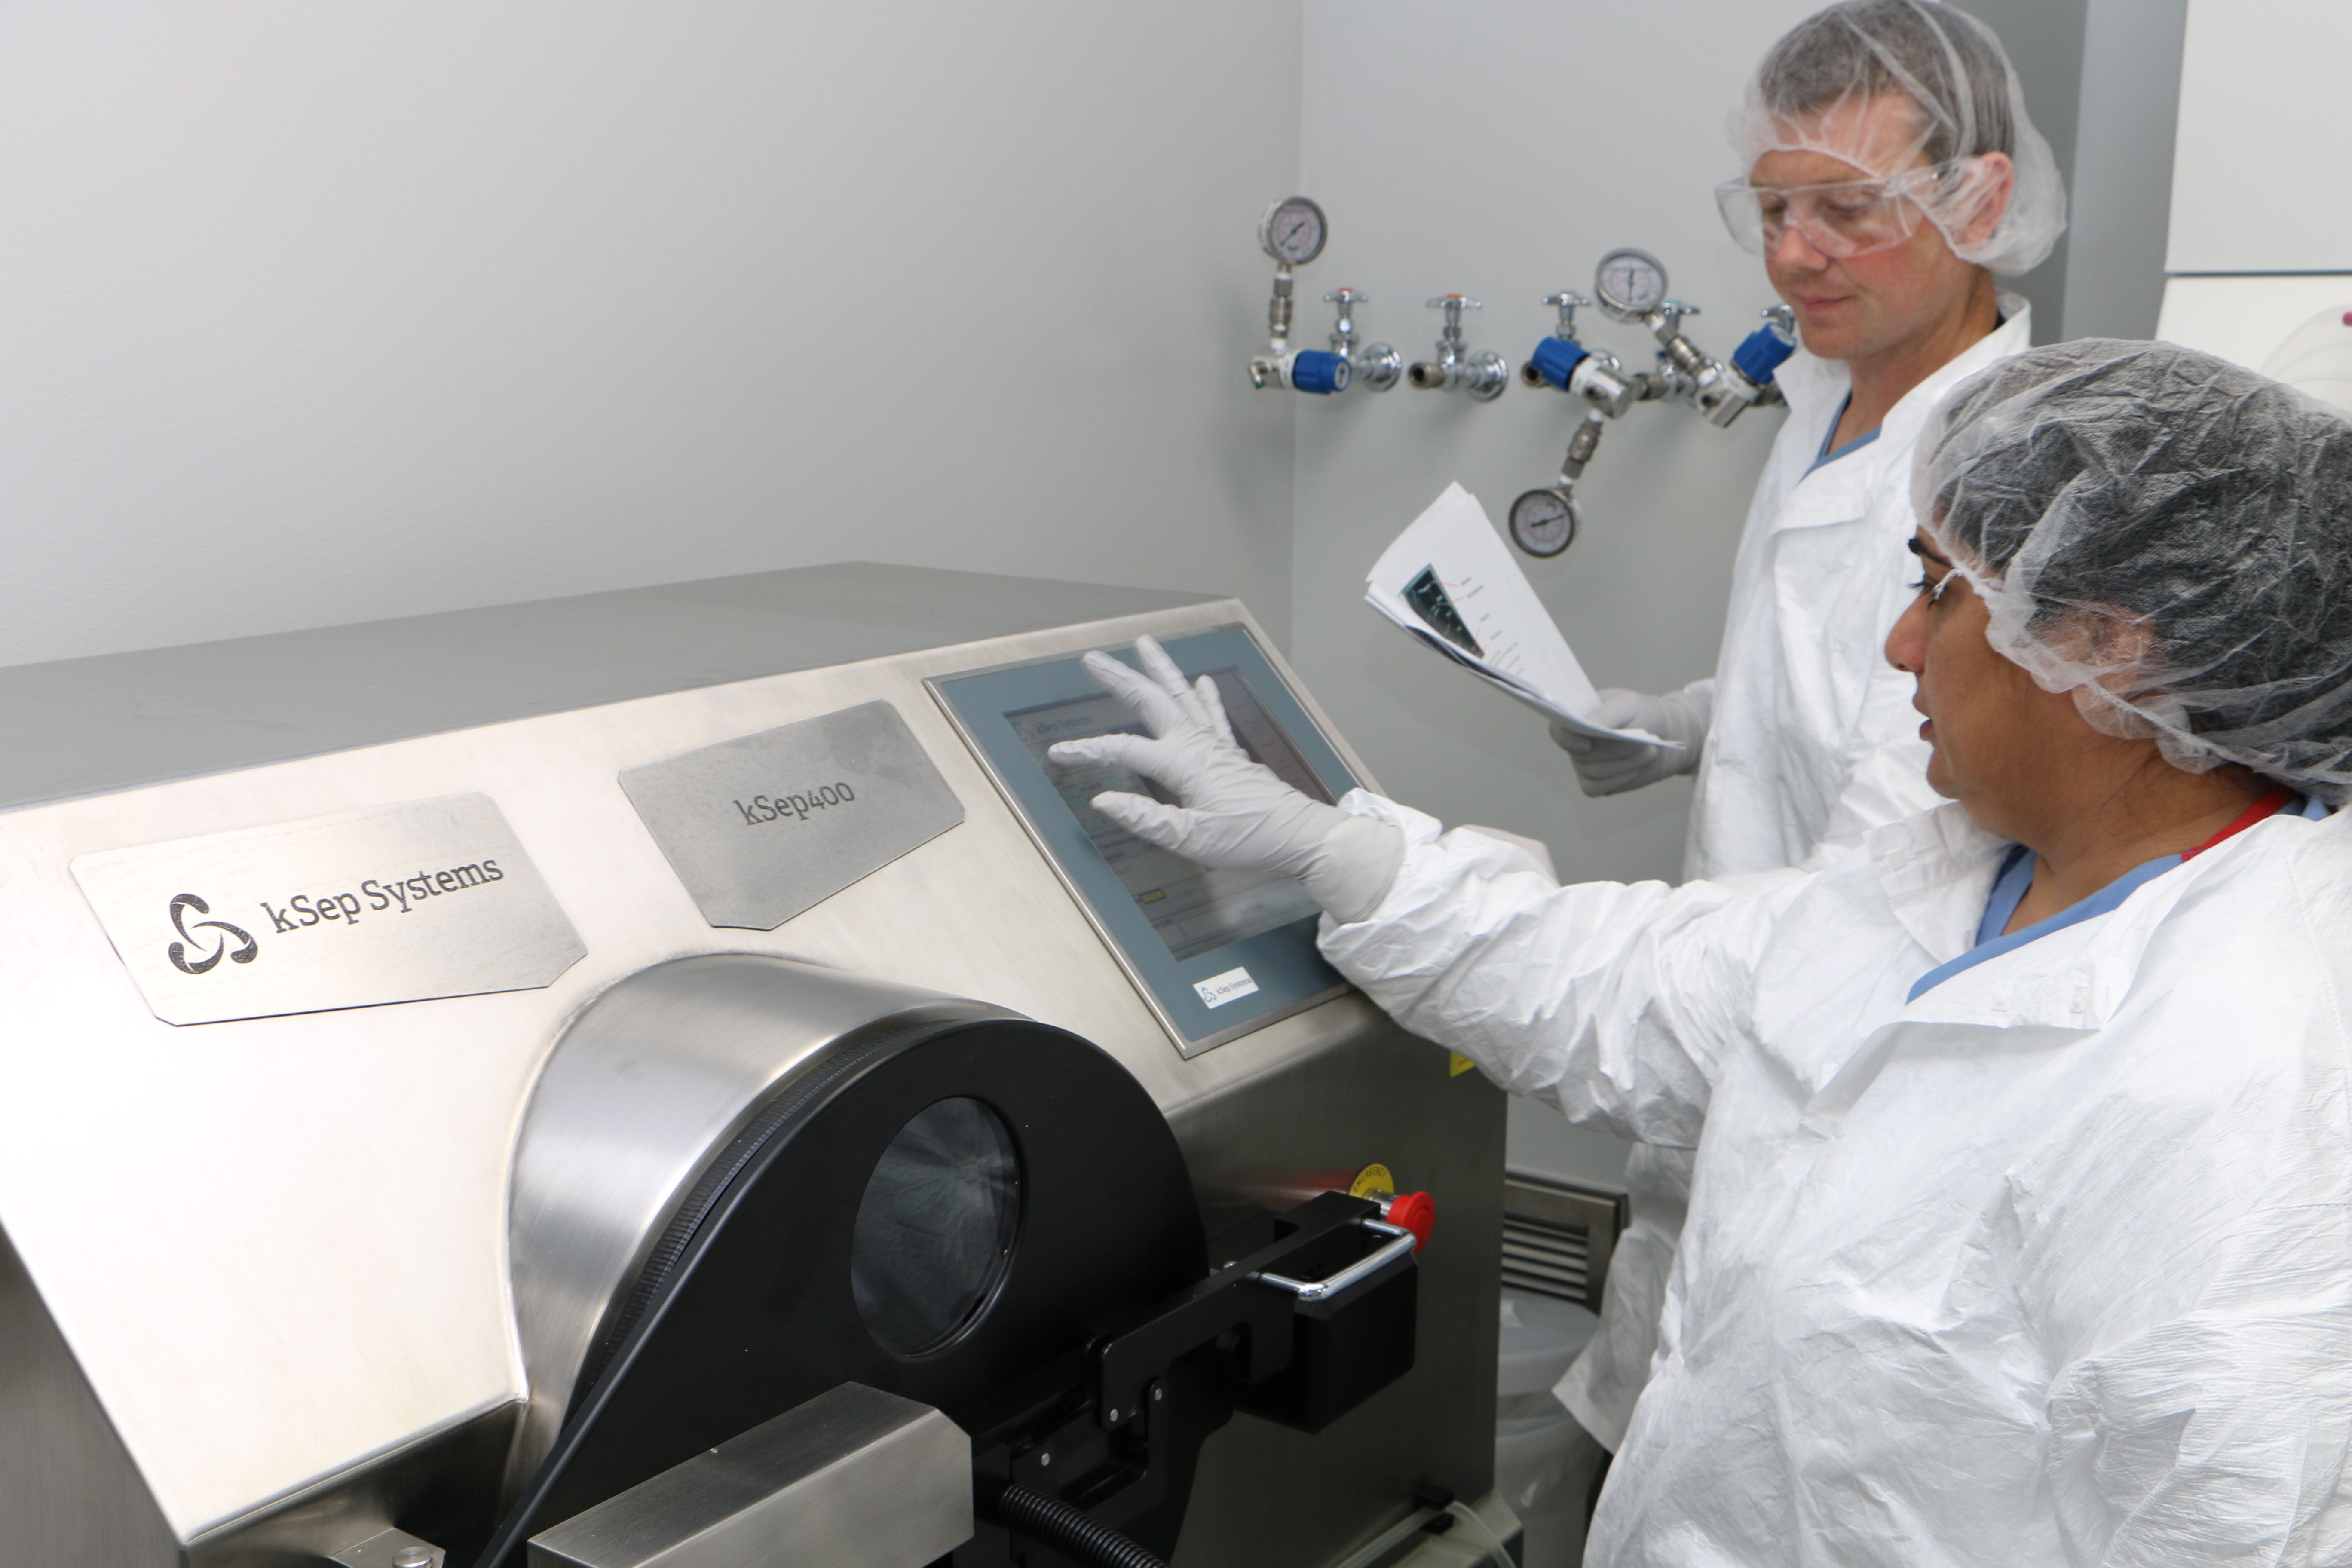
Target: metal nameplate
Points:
(765, 827)
(395, 903)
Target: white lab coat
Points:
(1814, 741)
(2052, 1264)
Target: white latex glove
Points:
(1612, 767)
(1237, 814)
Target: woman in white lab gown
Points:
(2023, 1224)
(2051, 1265)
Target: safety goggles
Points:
(1854, 217)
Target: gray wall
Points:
(2122, 181)
(324, 313)
(2102, 80)
(2045, 40)
(2259, 185)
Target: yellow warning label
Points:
(1372, 1182)
(1462, 1064)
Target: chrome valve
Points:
(1376, 366)
(1293, 233)
(1562, 360)
(1483, 374)
(1630, 286)
(1721, 392)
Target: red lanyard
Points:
(2268, 805)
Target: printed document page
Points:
(1449, 580)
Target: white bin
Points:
(1543, 1460)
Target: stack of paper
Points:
(1449, 580)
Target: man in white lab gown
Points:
(2021, 1231)
(1802, 737)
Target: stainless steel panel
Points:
(87, 726)
(853, 1478)
(70, 1493)
(443, 1484)
(1379, 1095)
(655, 1078)
(392, 1549)
(765, 827)
(397, 903)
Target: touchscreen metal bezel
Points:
(1287, 710)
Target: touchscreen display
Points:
(1194, 910)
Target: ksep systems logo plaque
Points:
(397, 903)
(245, 950)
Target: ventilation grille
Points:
(1547, 1260)
(1557, 1236)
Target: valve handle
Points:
(1568, 299)
(1346, 297)
(1454, 303)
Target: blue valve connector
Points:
(1764, 351)
(1312, 370)
(1555, 359)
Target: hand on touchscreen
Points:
(1234, 813)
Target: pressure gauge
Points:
(1292, 232)
(1543, 522)
(1630, 283)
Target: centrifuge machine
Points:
(677, 1076)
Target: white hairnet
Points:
(2167, 536)
(1952, 68)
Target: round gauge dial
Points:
(1293, 231)
(1630, 282)
(1543, 522)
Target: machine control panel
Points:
(1217, 953)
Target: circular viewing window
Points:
(935, 1227)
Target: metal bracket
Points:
(853, 1478)
(1236, 1301)
(391, 1548)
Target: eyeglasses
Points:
(1928, 588)
(1850, 219)
(1932, 589)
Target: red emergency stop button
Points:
(1416, 1212)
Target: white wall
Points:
(324, 313)
(2259, 183)
(1498, 148)
(2261, 231)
